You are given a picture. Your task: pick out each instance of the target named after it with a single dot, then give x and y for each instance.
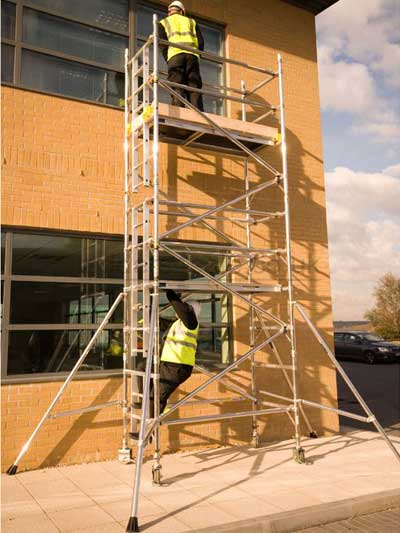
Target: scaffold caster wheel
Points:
(299, 455)
(313, 435)
(255, 441)
(156, 471)
(12, 470)
(125, 456)
(133, 525)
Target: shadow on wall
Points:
(222, 182)
(85, 422)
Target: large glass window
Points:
(52, 74)
(72, 48)
(59, 35)
(56, 255)
(112, 14)
(76, 48)
(58, 288)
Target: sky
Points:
(359, 76)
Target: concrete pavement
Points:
(229, 489)
(382, 522)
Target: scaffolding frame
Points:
(143, 242)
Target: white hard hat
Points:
(196, 307)
(177, 4)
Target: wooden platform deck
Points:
(185, 127)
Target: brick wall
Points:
(63, 169)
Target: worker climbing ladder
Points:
(148, 122)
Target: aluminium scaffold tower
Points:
(148, 122)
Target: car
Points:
(366, 347)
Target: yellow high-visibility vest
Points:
(181, 344)
(182, 30)
(115, 348)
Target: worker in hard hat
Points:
(179, 351)
(183, 66)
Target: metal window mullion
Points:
(6, 302)
(66, 279)
(132, 7)
(18, 40)
(8, 41)
(60, 327)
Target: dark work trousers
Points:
(185, 69)
(171, 376)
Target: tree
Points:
(385, 315)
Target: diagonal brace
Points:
(220, 374)
(223, 285)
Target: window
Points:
(72, 48)
(7, 62)
(352, 338)
(56, 289)
(76, 48)
(8, 20)
(112, 14)
(8, 12)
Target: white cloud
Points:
(367, 31)
(364, 229)
(393, 170)
(358, 60)
(346, 87)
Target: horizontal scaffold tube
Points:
(220, 59)
(217, 95)
(222, 416)
(221, 374)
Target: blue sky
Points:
(359, 74)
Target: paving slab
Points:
(76, 519)
(381, 522)
(237, 489)
(32, 523)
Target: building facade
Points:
(63, 216)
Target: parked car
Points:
(366, 347)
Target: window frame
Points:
(131, 34)
(19, 45)
(7, 277)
